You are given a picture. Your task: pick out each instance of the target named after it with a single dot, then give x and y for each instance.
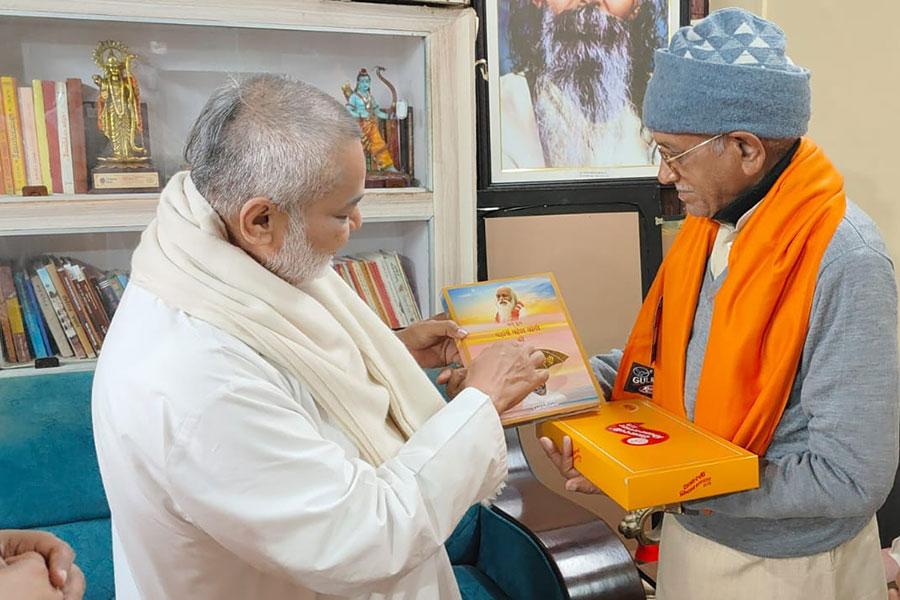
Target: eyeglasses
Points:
(670, 160)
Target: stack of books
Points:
(42, 137)
(380, 279)
(55, 306)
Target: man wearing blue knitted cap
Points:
(772, 322)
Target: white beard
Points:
(570, 139)
(505, 311)
(297, 261)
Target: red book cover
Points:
(76, 131)
(51, 120)
(375, 274)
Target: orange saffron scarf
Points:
(760, 315)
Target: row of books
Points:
(55, 306)
(380, 279)
(42, 136)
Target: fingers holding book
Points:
(507, 372)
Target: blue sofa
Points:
(532, 545)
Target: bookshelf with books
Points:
(427, 225)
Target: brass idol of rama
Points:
(119, 103)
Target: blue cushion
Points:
(92, 542)
(510, 557)
(474, 585)
(462, 546)
(48, 464)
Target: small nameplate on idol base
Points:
(117, 179)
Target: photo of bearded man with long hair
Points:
(572, 79)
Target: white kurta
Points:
(226, 481)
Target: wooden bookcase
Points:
(186, 48)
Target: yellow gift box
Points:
(641, 455)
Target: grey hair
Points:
(776, 148)
(267, 135)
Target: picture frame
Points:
(546, 118)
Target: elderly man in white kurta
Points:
(261, 434)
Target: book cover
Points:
(40, 322)
(57, 276)
(7, 186)
(357, 271)
(107, 294)
(29, 137)
(10, 99)
(76, 135)
(378, 259)
(116, 284)
(9, 346)
(67, 174)
(51, 318)
(641, 455)
(381, 289)
(14, 313)
(74, 293)
(351, 274)
(530, 309)
(30, 316)
(376, 299)
(91, 296)
(51, 120)
(65, 314)
(40, 126)
(408, 305)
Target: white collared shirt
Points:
(718, 258)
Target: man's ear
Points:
(256, 222)
(753, 152)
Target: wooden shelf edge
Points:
(65, 366)
(87, 213)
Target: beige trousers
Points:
(695, 568)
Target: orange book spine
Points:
(10, 101)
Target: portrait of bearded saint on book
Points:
(509, 307)
(576, 74)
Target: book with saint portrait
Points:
(530, 309)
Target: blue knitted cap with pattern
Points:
(728, 72)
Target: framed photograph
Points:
(565, 85)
